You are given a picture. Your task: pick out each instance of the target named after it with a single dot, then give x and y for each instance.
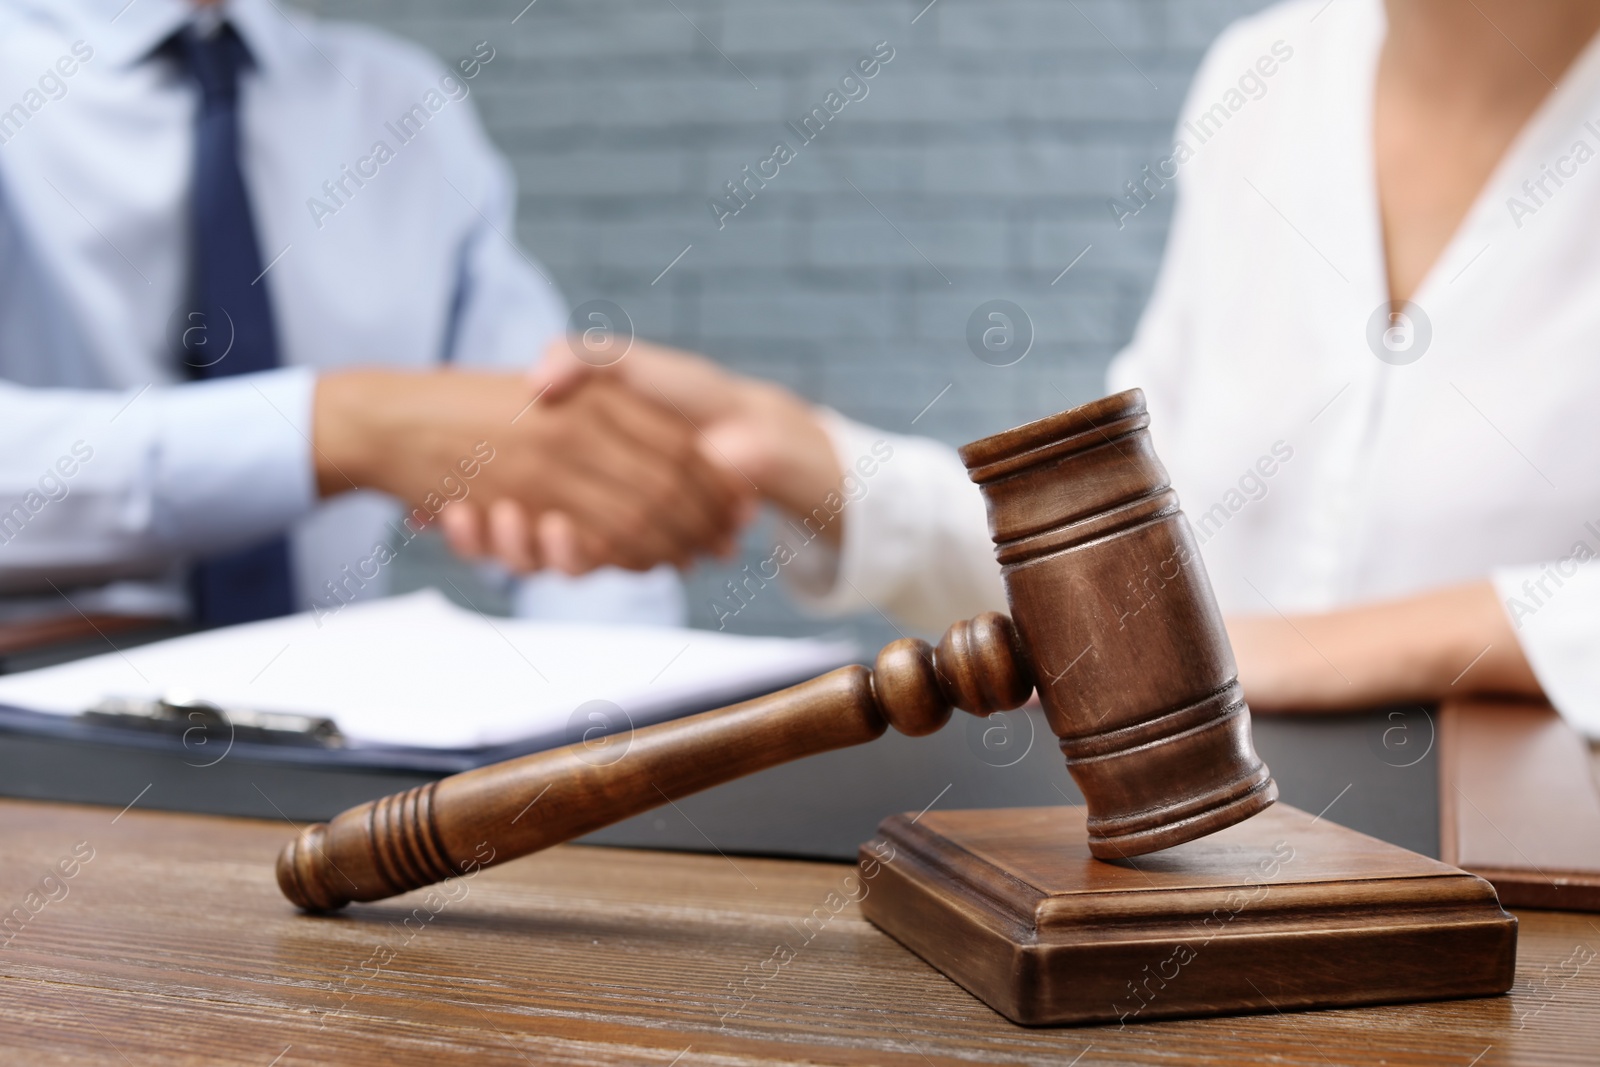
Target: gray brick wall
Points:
(990, 142)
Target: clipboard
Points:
(202, 734)
(81, 760)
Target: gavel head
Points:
(1115, 616)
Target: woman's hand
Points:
(770, 440)
(1449, 642)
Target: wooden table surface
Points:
(171, 944)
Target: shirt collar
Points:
(127, 32)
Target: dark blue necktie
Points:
(226, 327)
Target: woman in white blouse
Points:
(1391, 508)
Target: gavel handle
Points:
(507, 810)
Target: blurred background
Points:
(977, 167)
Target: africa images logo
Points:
(1399, 332)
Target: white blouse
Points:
(1326, 453)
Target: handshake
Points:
(660, 457)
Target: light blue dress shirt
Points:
(386, 218)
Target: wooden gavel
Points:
(1115, 625)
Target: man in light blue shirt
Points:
(383, 218)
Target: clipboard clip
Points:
(182, 715)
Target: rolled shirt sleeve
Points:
(915, 538)
(1557, 621)
(96, 485)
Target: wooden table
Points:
(172, 945)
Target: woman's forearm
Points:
(1449, 642)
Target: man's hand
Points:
(1448, 642)
(625, 475)
(767, 442)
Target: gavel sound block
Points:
(1114, 624)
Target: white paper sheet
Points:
(417, 670)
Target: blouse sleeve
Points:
(915, 541)
(1555, 610)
